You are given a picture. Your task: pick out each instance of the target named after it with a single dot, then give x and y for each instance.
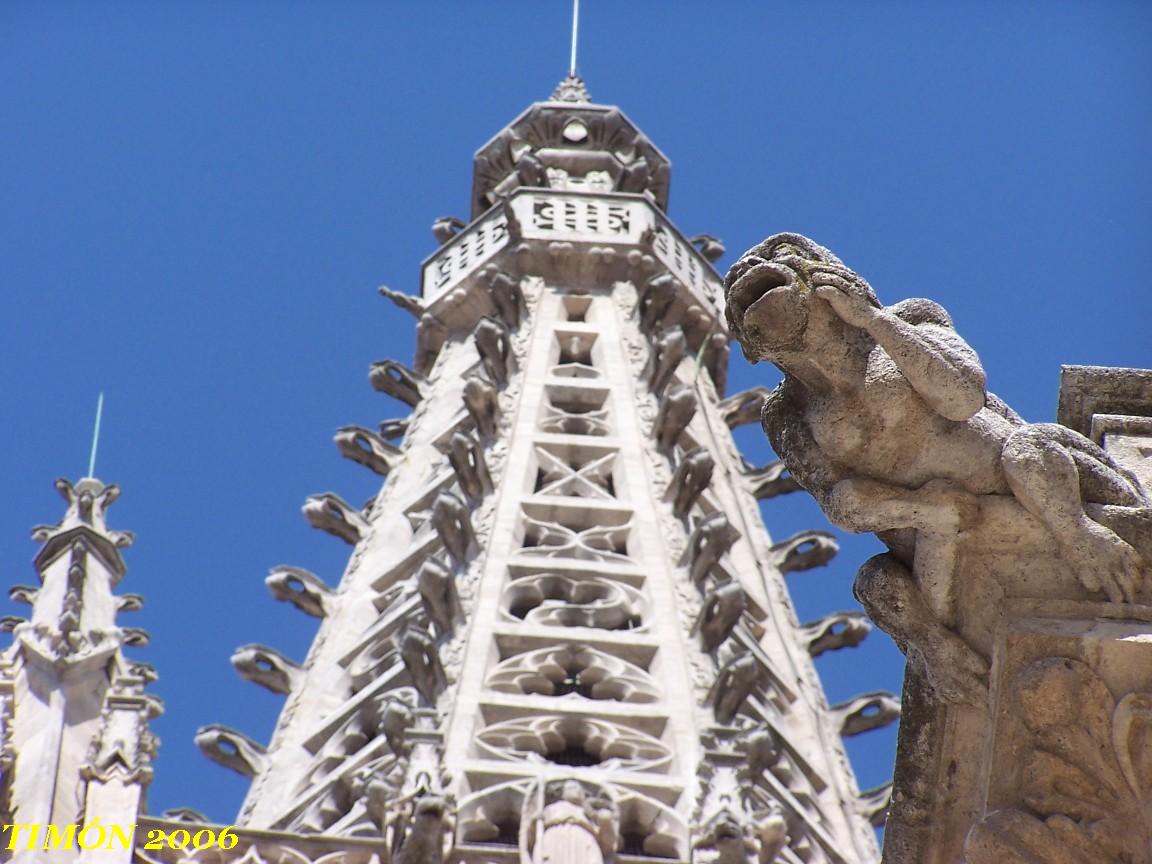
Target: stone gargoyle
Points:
(883, 416)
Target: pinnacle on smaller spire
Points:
(571, 89)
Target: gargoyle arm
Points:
(941, 367)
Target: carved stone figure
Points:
(676, 411)
(728, 838)
(867, 712)
(710, 539)
(424, 843)
(492, 343)
(367, 448)
(692, 477)
(484, 408)
(835, 631)
(232, 749)
(444, 228)
(655, 301)
(667, 351)
(745, 407)
(467, 459)
(761, 749)
(507, 298)
(710, 247)
(530, 170)
(723, 606)
(884, 417)
(450, 520)
(437, 590)
(714, 359)
(734, 683)
(390, 430)
(805, 550)
(422, 661)
(772, 832)
(302, 588)
(266, 666)
(431, 334)
(771, 480)
(574, 827)
(329, 512)
(398, 381)
(412, 305)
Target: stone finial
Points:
(571, 89)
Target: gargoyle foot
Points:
(1104, 562)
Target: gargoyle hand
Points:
(846, 293)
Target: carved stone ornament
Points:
(234, 750)
(574, 670)
(450, 519)
(569, 822)
(437, 587)
(431, 334)
(691, 478)
(329, 512)
(865, 713)
(734, 683)
(806, 550)
(710, 247)
(556, 600)
(1085, 774)
(743, 408)
(677, 408)
(723, 606)
(714, 359)
(444, 228)
(573, 740)
(667, 351)
(859, 378)
(267, 667)
(467, 459)
(366, 448)
(495, 350)
(424, 842)
(412, 305)
(422, 660)
(398, 381)
(835, 631)
(655, 301)
(302, 588)
(711, 538)
(482, 404)
(507, 297)
(770, 481)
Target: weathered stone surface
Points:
(1006, 540)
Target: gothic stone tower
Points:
(563, 633)
(563, 627)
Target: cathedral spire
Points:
(77, 743)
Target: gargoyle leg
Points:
(890, 595)
(1042, 471)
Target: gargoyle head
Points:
(769, 296)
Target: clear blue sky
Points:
(200, 199)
